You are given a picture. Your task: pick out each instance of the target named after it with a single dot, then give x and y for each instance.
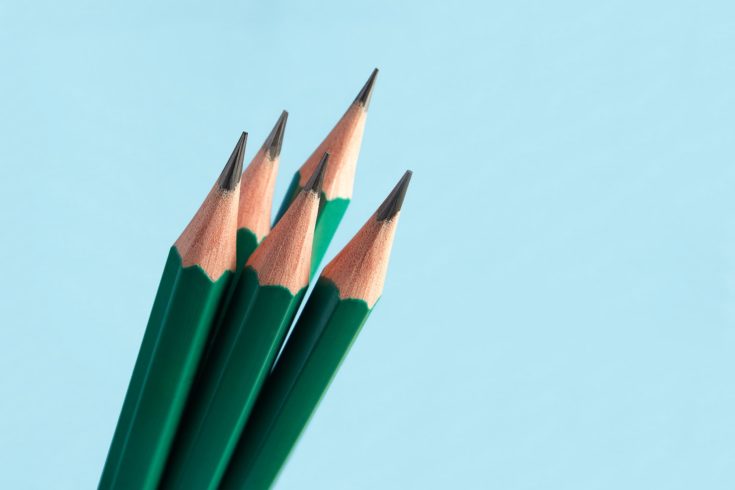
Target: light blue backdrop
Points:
(560, 307)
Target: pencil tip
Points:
(314, 184)
(394, 201)
(275, 139)
(363, 98)
(230, 176)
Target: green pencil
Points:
(197, 271)
(339, 305)
(254, 213)
(267, 295)
(343, 144)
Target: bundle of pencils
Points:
(209, 404)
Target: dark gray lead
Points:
(363, 98)
(314, 184)
(230, 176)
(394, 201)
(275, 140)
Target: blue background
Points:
(560, 307)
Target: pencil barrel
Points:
(242, 356)
(330, 215)
(182, 314)
(320, 340)
(247, 242)
(291, 192)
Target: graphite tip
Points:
(314, 184)
(363, 98)
(275, 139)
(230, 176)
(394, 201)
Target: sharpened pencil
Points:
(256, 193)
(254, 212)
(267, 295)
(195, 277)
(336, 310)
(343, 144)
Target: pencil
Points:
(254, 213)
(336, 310)
(343, 144)
(196, 274)
(268, 294)
(256, 193)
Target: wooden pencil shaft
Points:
(254, 208)
(318, 344)
(182, 314)
(243, 354)
(197, 272)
